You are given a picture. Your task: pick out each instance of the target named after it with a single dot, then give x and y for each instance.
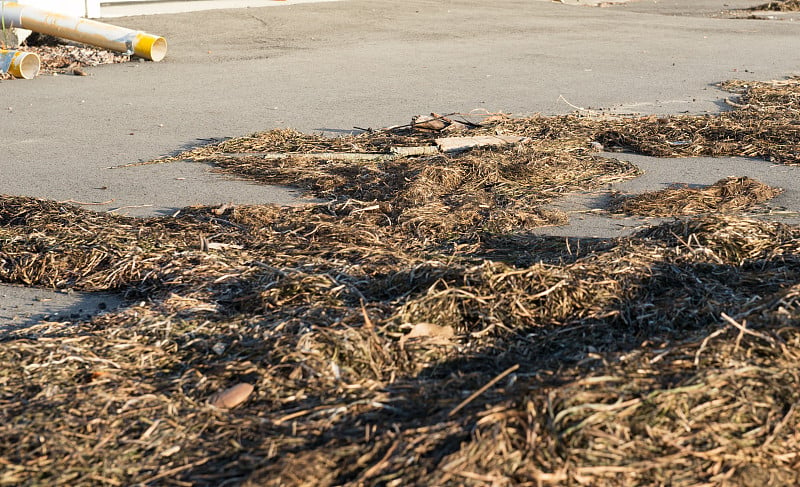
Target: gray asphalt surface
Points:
(331, 66)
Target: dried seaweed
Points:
(123, 397)
(729, 195)
(411, 330)
(764, 122)
(780, 6)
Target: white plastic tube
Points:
(19, 64)
(87, 31)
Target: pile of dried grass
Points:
(763, 123)
(729, 195)
(438, 196)
(411, 331)
(714, 410)
(599, 343)
(780, 6)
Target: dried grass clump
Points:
(734, 194)
(763, 124)
(60, 246)
(446, 197)
(727, 239)
(410, 331)
(296, 143)
(719, 409)
(780, 6)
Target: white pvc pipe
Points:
(87, 31)
(19, 64)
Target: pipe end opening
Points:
(26, 66)
(159, 49)
(150, 47)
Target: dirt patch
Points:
(412, 330)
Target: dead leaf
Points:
(231, 397)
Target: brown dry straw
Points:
(729, 195)
(780, 5)
(666, 358)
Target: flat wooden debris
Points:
(458, 144)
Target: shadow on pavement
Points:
(21, 307)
